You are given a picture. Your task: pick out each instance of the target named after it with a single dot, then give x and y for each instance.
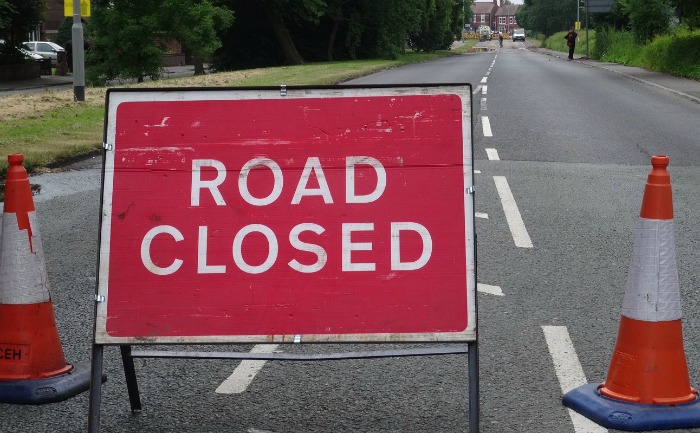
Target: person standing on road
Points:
(500, 39)
(571, 42)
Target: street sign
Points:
(599, 6)
(287, 214)
(84, 8)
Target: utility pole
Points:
(78, 54)
(587, 54)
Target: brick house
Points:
(48, 30)
(505, 18)
(483, 14)
(499, 17)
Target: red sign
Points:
(251, 216)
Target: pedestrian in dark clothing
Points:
(571, 42)
(500, 39)
(69, 54)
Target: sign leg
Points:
(130, 373)
(95, 388)
(473, 387)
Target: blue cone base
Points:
(49, 390)
(619, 415)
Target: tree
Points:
(19, 17)
(441, 23)
(127, 36)
(648, 18)
(547, 16)
(688, 12)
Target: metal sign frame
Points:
(308, 95)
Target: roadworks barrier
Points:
(647, 387)
(33, 369)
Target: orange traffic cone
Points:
(648, 387)
(33, 369)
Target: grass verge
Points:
(49, 127)
(676, 54)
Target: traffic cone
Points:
(33, 369)
(648, 387)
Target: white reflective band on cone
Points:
(23, 278)
(653, 293)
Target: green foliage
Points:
(677, 54)
(123, 44)
(436, 30)
(341, 30)
(127, 36)
(557, 42)
(19, 17)
(688, 12)
(547, 16)
(65, 32)
(648, 18)
(604, 39)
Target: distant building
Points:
(499, 17)
(505, 18)
(48, 30)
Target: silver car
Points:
(47, 50)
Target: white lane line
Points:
(569, 372)
(476, 90)
(510, 207)
(483, 80)
(483, 105)
(483, 90)
(254, 430)
(244, 374)
(492, 154)
(477, 171)
(486, 124)
(491, 290)
(481, 215)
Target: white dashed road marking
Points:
(244, 374)
(569, 372)
(486, 124)
(492, 154)
(513, 217)
(491, 290)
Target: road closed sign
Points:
(339, 214)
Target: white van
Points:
(519, 35)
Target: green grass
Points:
(677, 54)
(557, 42)
(52, 137)
(74, 129)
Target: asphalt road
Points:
(570, 142)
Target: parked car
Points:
(20, 51)
(519, 35)
(45, 49)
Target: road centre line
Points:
(481, 215)
(244, 374)
(483, 80)
(513, 217)
(483, 90)
(569, 372)
(483, 104)
(476, 90)
(492, 154)
(486, 125)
